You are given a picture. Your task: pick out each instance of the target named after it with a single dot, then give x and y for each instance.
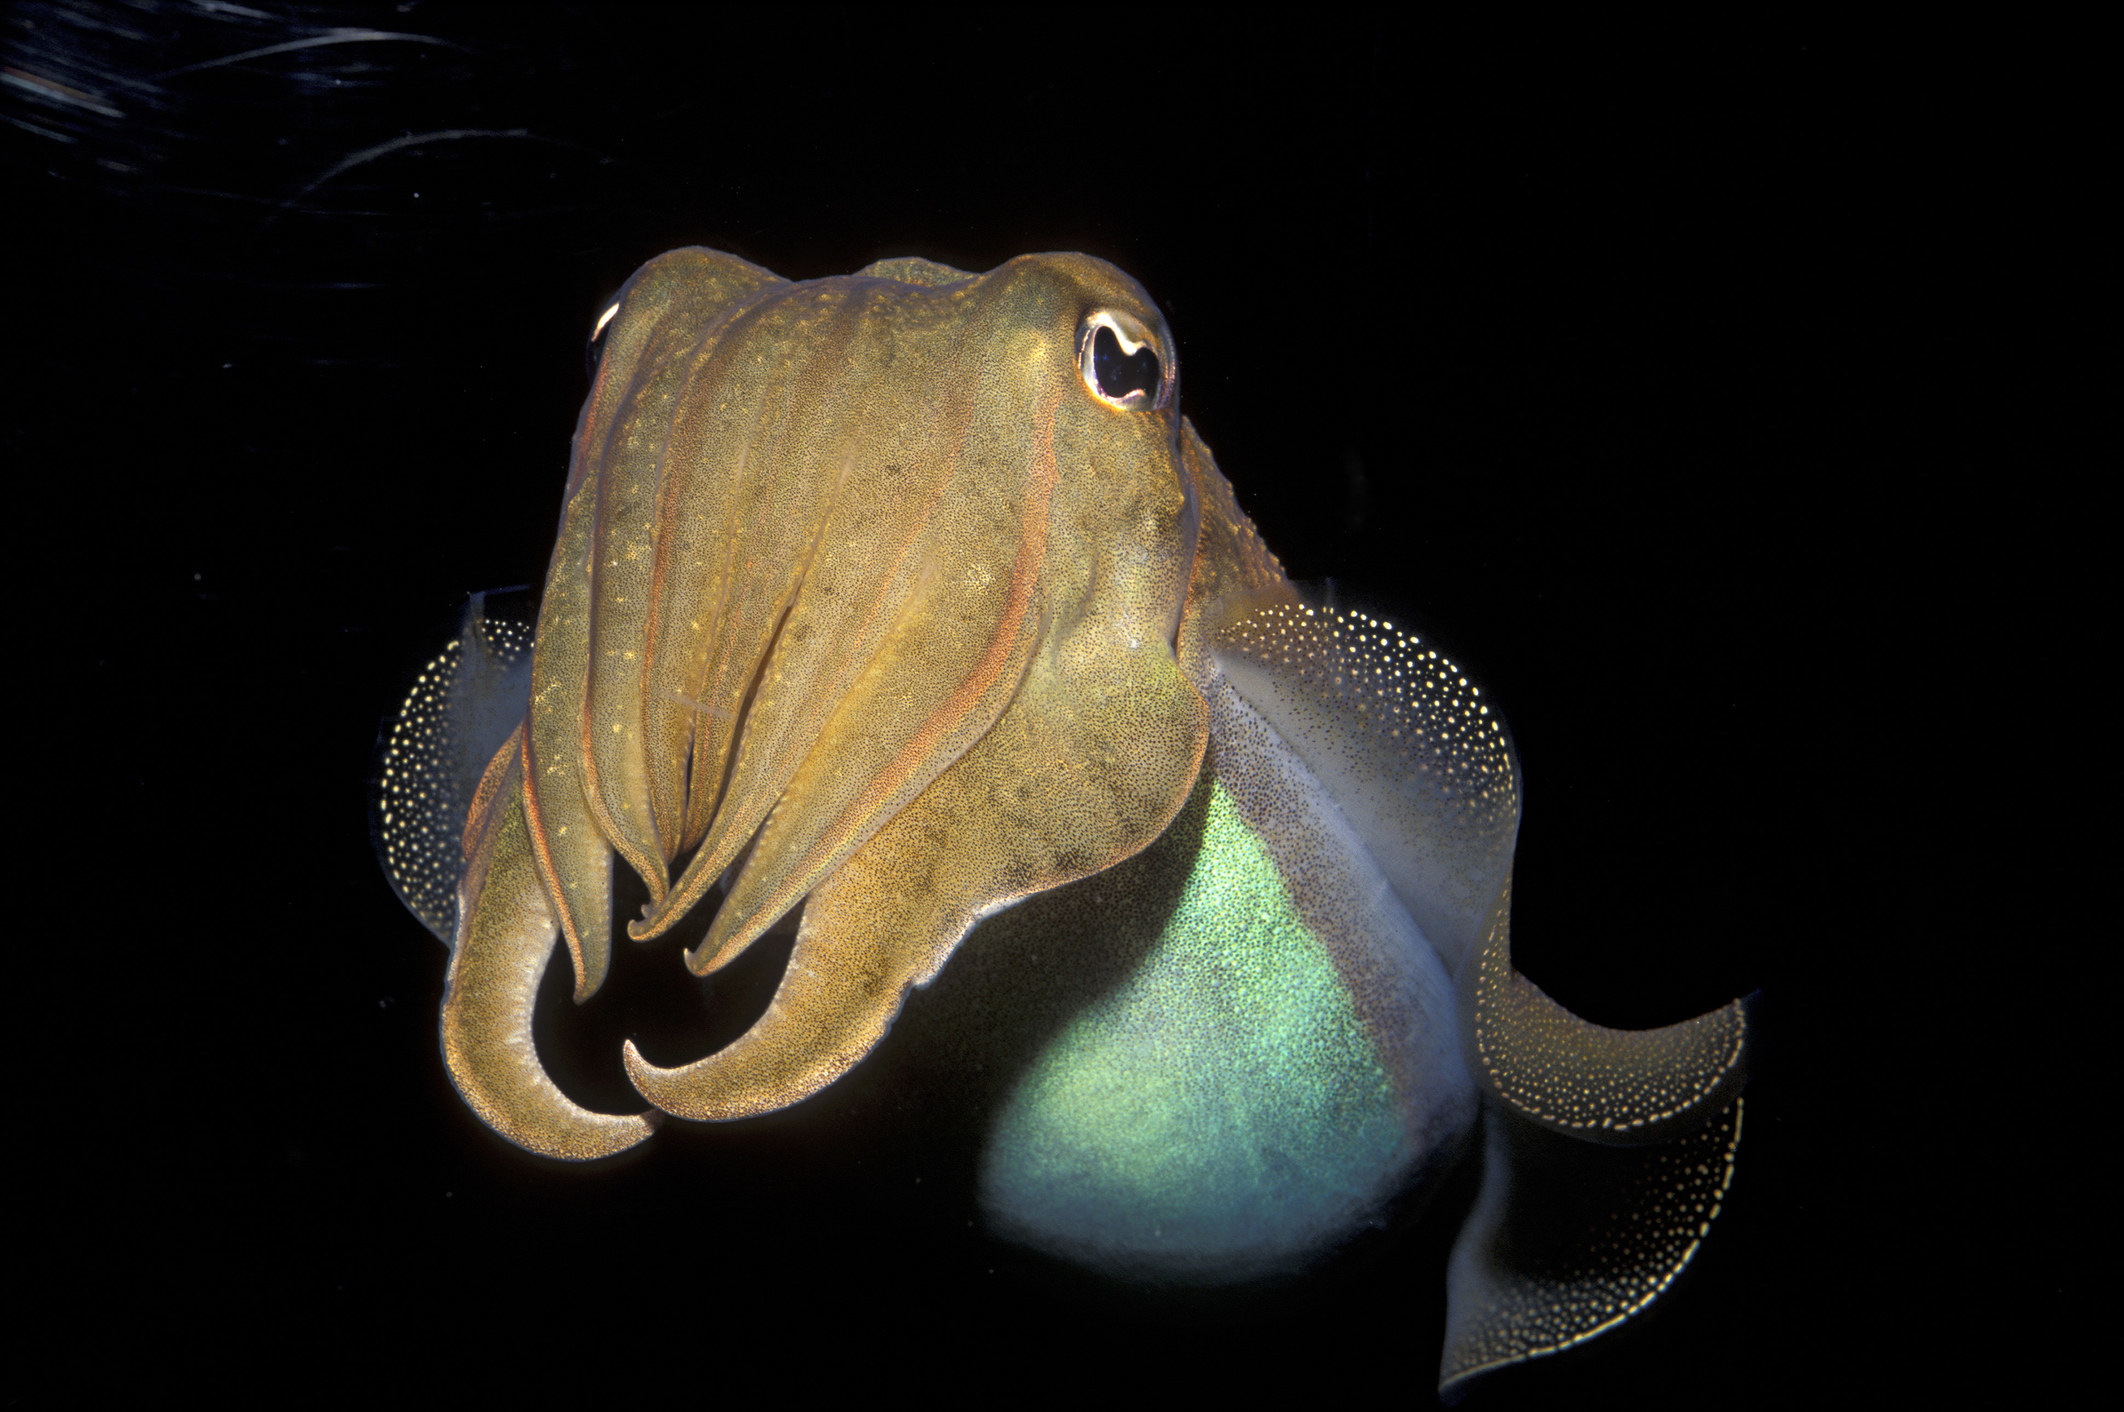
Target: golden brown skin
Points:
(877, 596)
(864, 588)
(501, 953)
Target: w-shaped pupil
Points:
(1120, 373)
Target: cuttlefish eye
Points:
(1118, 358)
(596, 349)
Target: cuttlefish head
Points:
(865, 598)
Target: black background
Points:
(1630, 367)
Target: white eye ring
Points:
(1133, 339)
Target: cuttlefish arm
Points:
(1078, 774)
(889, 553)
(1088, 764)
(588, 781)
(506, 933)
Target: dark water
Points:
(1594, 362)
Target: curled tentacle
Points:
(505, 936)
(1091, 762)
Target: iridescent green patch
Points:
(1221, 1112)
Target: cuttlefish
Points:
(907, 605)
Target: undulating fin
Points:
(1421, 766)
(1091, 761)
(505, 936)
(1585, 1080)
(1414, 755)
(430, 759)
(1569, 1239)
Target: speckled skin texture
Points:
(825, 606)
(902, 600)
